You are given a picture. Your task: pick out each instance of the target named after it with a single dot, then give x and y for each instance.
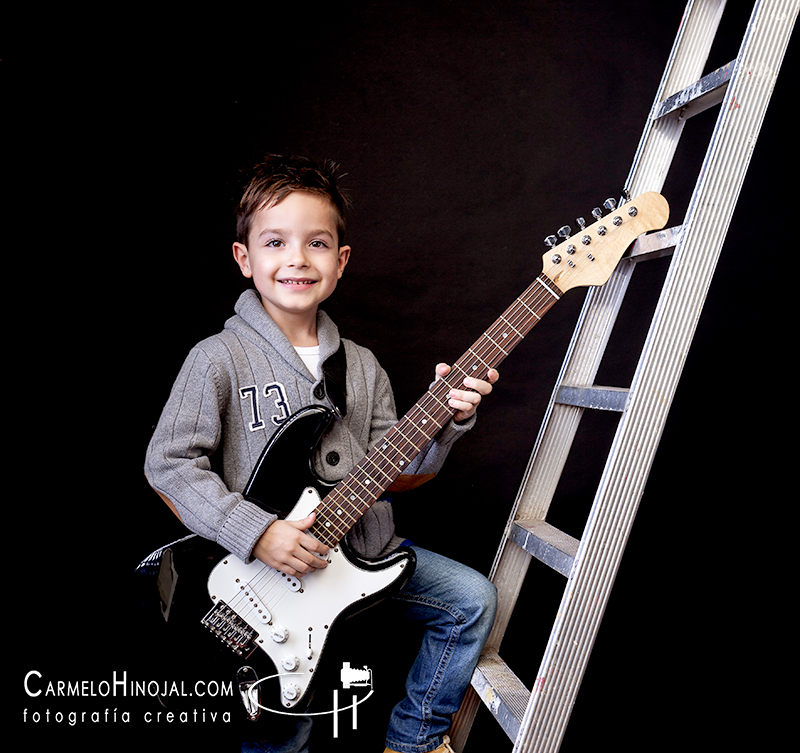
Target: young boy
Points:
(237, 387)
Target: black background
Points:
(468, 132)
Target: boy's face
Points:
(293, 256)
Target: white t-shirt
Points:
(310, 357)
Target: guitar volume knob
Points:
(279, 634)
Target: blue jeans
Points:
(456, 605)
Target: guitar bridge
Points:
(231, 629)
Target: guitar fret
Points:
(475, 366)
(529, 309)
(400, 431)
(516, 332)
(497, 345)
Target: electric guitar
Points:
(272, 626)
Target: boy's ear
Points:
(344, 257)
(242, 258)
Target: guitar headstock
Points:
(590, 256)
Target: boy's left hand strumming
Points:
(467, 400)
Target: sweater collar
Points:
(262, 330)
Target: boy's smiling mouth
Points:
(296, 281)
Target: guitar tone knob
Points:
(290, 663)
(291, 691)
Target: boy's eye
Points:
(318, 244)
(274, 243)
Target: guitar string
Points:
(264, 584)
(485, 350)
(520, 317)
(352, 497)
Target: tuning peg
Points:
(565, 231)
(550, 241)
(610, 204)
(581, 222)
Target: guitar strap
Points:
(334, 377)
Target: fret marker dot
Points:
(338, 512)
(402, 462)
(352, 496)
(327, 524)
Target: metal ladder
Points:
(536, 718)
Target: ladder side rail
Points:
(662, 361)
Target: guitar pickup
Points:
(231, 629)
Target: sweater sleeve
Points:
(178, 461)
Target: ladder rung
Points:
(546, 543)
(701, 95)
(656, 245)
(596, 398)
(501, 691)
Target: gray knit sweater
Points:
(233, 391)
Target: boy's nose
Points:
(298, 257)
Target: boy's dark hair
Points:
(276, 177)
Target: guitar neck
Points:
(587, 258)
(363, 486)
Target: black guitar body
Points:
(249, 634)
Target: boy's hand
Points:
(466, 401)
(286, 547)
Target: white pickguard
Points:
(293, 616)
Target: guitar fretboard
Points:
(363, 486)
